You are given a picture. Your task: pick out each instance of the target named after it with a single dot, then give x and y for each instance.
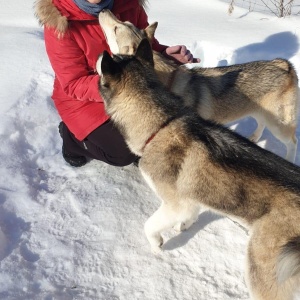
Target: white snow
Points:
(69, 233)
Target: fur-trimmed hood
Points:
(58, 13)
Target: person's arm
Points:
(69, 64)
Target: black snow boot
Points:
(73, 160)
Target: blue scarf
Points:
(94, 8)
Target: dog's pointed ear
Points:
(108, 65)
(150, 31)
(144, 52)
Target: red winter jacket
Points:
(73, 42)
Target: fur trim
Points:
(144, 3)
(48, 15)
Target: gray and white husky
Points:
(191, 162)
(265, 90)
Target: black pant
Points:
(105, 143)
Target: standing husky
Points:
(189, 161)
(264, 90)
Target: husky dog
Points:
(265, 90)
(191, 162)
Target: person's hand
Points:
(180, 54)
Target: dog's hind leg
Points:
(269, 235)
(291, 149)
(287, 135)
(256, 135)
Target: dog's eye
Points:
(115, 29)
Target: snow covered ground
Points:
(70, 233)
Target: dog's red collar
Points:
(178, 115)
(153, 135)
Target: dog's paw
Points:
(182, 226)
(256, 135)
(156, 247)
(179, 227)
(156, 250)
(253, 138)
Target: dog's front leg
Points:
(163, 219)
(179, 216)
(188, 216)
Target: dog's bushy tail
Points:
(288, 264)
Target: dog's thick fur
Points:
(265, 90)
(190, 161)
